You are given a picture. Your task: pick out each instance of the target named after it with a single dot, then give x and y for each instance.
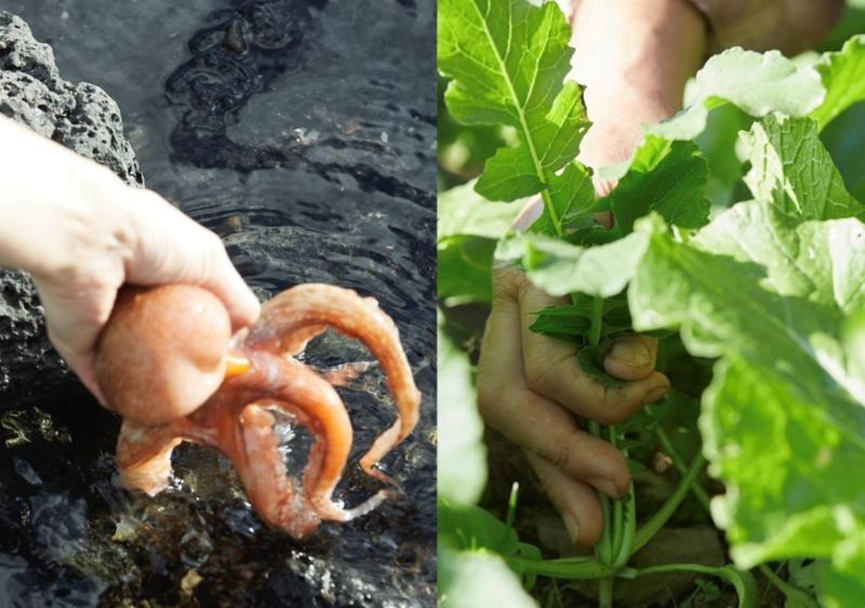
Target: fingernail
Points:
(573, 527)
(631, 351)
(604, 485)
(655, 394)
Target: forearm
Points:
(57, 207)
(634, 57)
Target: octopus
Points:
(168, 363)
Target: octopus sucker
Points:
(257, 375)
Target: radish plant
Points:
(771, 288)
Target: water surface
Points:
(302, 133)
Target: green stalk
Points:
(630, 531)
(605, 592)
(597, 321)
(696, 489)
(572, 568)
(612, 535)
(793, 594)
(659, 519)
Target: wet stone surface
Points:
(302, 133)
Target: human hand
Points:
(83, 234)
(159, 245)
(634, 59)
(530, 386)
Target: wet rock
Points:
(85, 119)
(334, 202)
(80, 116)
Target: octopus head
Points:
(163, 352)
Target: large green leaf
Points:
(507, 60)
(464, 267)
(461, 463)
(791, 168)
(758, 83)
(666, 176)
(470, 579)
(560, 268)
(843, 75)
(463, 212)
(784, 419)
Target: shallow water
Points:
(302, 133)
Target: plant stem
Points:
(605, 592)
(659, 519)
(696, 489)
(597, 321)
(579, 568)
(793, 594)
(630, 531)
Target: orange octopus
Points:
(167, 362)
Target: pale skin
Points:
(634, 58)
(82, 234)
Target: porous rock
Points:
(85, 119)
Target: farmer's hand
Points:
(634, 58)
(530, 386)
(82, 234)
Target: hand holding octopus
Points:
(167, 362)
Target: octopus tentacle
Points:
(314, 402)
(290, 319)
(258, 375)
(144, 454)
(270, 491)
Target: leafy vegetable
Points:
(791, 168)
(560, 268)
(757, 83)
(666, 176)
(461, 466)
(843, 76)
(783, 421)
(772, 288)
(507, 62)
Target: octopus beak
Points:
(235, 365)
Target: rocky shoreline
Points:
(85, 119)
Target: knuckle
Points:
(539, 373)
(507, 283)
(562, 455)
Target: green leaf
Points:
(565, 322)
(571, 322)
(666, 176)
(783, 421)
(463, 212)
(467, 527)
(560, 268)
(791, 169)
(509, 175)
(478, 578)
(843, 75)
(461, 461)
(507, 60)
(757, 83)
(843, 586)
(572, 196)
(464, 265)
